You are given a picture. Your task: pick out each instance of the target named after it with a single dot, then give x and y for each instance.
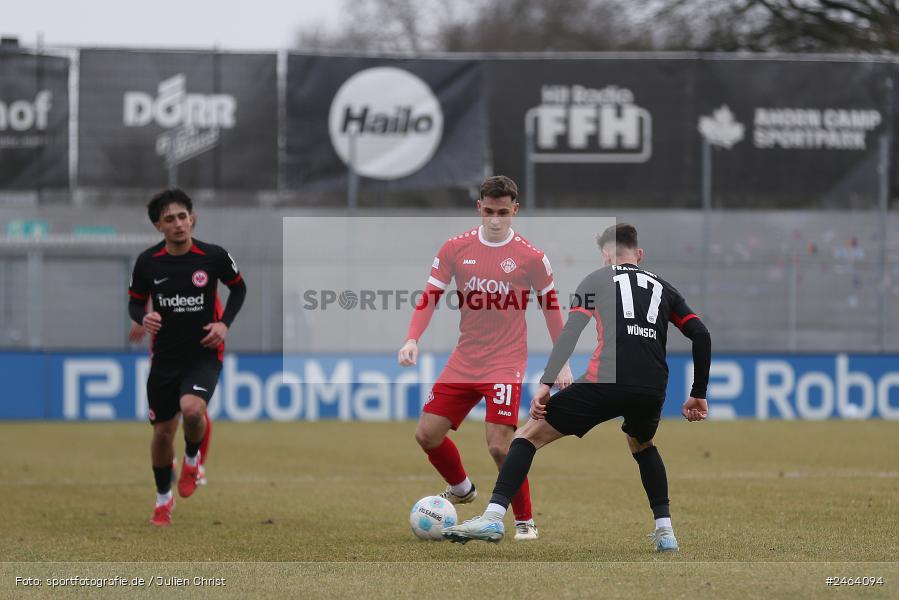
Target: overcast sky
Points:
(248, 24)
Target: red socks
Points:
(204, 445)
(521, 503)
(447, 461)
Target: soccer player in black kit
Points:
(180, 276)
(627, 377)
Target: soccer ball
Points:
(430, 515)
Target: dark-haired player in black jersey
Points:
(627, 377)
(180, 276)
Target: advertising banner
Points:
(400, 124)
(610, 132)
(34, 121)
(211, 116)
(77, 387)
(630, 132)
(784, 132)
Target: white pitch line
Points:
(301, 478)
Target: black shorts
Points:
(582, 406)
(170, 379)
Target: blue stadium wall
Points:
(96, 386)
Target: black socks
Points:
(515, 469)
(163, 477)
(190, 448)
(655, 481)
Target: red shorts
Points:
(455, 400)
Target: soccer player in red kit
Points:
(495, 270)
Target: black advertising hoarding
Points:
(213, 115)
(403, 124)
(34, 121)
(630, 132)
(605, 131)
(785, 133)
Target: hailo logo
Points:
(22, 115)
(577, 124)
(194, 121)
(385, 122)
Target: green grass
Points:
(320, 510)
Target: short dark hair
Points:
(165, 197)
(623, 235)
(499, 186)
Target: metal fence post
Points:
(35, 299)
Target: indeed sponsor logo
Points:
(180, 303)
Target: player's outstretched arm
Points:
(696, 408)
(552, 314)
(564, 346)
(218, 330)
(421, 318)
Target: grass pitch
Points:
(761, 509)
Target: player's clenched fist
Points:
(152, 322)
(695, 409)
(538, 402)
(408, 354)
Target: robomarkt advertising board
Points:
(372, 387)
(34, 121)
(212, 117)
(397, 124)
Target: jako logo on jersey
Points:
(180, 303)
(646, 332)
(469, 261)
(200, 278)
(508, 265)
(385, 122)
(195, 119)
(577, 124)
(492, 286)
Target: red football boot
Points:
(162, 515)
(187, 482)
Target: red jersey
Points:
(493, 286)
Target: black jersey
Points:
(183, 289)
(632, 308)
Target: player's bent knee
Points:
(498, 452)
(193, 409)
(427, 439)
(636, 445)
